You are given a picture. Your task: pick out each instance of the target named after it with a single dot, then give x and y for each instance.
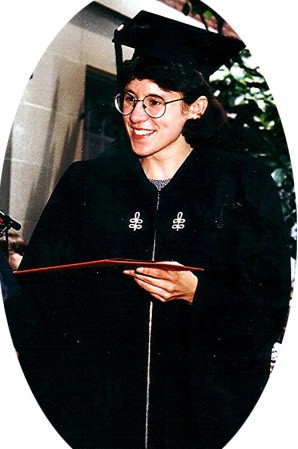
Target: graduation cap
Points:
(156, 36)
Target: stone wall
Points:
(46, 135)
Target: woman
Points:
(154, 357)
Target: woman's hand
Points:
(166, 284)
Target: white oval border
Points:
(269, 32)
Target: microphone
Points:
(7, 222)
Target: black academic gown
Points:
(83, 336)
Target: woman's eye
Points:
(129, 99)
(154, 101)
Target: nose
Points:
(138, 114)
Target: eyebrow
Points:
(153, 94)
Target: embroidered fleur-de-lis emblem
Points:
(136, 222)
(178, 223)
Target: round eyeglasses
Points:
(154, 105)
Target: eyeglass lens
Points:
(154, 105)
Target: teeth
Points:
(142, 132)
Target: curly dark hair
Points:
(181, 78)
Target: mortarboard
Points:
(153, 35)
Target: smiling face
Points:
(156, 137)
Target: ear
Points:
(197, 108)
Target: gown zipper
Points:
(150, 336)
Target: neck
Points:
(166, 167)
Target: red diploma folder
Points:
(126, 264)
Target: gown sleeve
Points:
(43, 318)
(244, 296)
(60, 221)
(29, 316)
(240, 310)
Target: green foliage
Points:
(255, 126)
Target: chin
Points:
(142, 151)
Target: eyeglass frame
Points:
(135, 100)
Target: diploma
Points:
(122, 263)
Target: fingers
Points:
(156, 273)
(153, 279)
(164, 284)
(157, 290)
